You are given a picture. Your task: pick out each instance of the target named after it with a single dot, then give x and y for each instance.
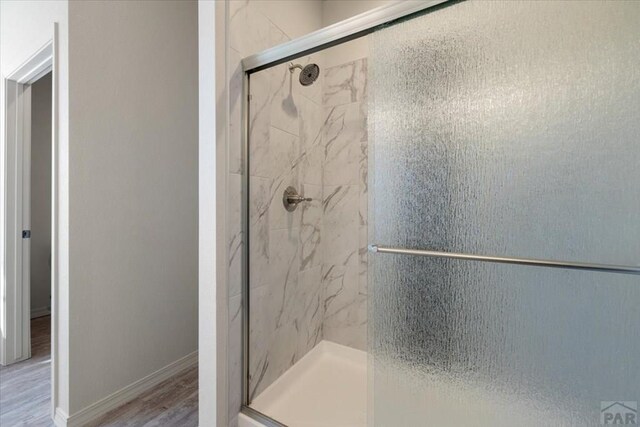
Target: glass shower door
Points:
(505, 129)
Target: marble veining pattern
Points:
(285, 149)
(235, 236)
(346, 83)
(345, 204)
(311, 226)
(307, 268)
(344, 132)
(235, 348)
(278, 160)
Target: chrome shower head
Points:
(308, 74)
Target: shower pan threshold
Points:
(327, 387)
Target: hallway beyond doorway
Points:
(25, 393)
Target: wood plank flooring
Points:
(25, 393)
(25, 387)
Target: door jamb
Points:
(15, 342)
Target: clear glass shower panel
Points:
(285, 292)
(507, 129)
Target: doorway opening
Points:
(40, 199)
(28, 303)
(31, 378)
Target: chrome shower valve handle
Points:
(291, 199)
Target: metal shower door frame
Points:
(333, 35)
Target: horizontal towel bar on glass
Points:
(606, 268)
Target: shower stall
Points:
(441, 216)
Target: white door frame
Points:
(15, 340)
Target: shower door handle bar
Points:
(605, 268)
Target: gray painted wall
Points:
(133, 208)
(127, 212)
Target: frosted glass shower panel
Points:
(508, 129)
(463, 343)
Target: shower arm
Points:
(293, 66)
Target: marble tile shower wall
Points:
(344, 234)
(308, 269)
(286, 264)
(286, 297)
(284, 121)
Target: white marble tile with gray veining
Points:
(276, 35)
(273, 156)
(283, 272)
(308, 268)
(234, 351)
(259, 203)
(311, 125)
(348, 326)
(346, 83)
(273, 317)
(344, 131)
(363, 183)
(243, 15)
(311, 225)
(261, 329)
(235, 112)
(343, 321)
(310, 297)
(311, 157)
(237, 21)
(340, 281)
(234, 234)
(286, 102)
(309, 165)
(340, 231)
(259, 125)
(363, 215)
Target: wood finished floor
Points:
(25, 392)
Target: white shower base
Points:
(326, 388)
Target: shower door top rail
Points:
(337, 33)
(605, 268)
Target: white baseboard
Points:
(39, 312)
(124, 395)
(60, 418)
